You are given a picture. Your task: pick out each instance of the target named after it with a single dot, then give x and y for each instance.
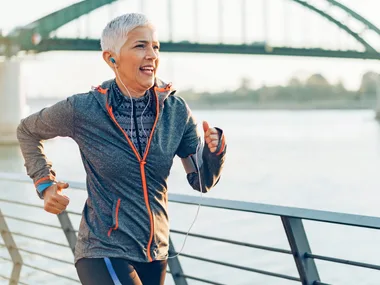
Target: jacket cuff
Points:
(49, 178)
(42, 187)
(43, 183)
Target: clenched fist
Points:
(55, 201)
(211, 137)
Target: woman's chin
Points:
(147, 84)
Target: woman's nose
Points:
(152, 54)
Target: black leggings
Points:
(119, 271)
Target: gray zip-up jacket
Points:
(125, 214)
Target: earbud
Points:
(112, 60)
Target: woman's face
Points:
(139, 58)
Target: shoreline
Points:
(316, 105)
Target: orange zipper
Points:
(116, 218)
(142, 162)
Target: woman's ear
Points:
(109, 59)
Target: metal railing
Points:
(291, 218)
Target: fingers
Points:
(55, 202)
(52, 206)
(212, 142)
(213, 146)
(211, 131)
(61, 199)
(52, 210)
(211, 137)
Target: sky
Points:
(283, 22)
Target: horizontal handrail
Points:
(34, 222)
(7, 278)
(283, 276)
(195, 278)
(267, 248)
(282, 211)
(44, 256)
(21, 203)
(39, 239)
(50, 272)
(343, 261)
(42, 270)
(201, 279)
(32, 205)
(31, 222)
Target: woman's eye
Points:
(156, 47)
(140, 46)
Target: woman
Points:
(128, 131)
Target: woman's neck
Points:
(129, 92)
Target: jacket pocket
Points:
(115, 216)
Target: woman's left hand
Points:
(211, 137)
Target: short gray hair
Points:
(115, 33)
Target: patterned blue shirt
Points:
(143, 116)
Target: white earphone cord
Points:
(199, 205)
(130, 98)
(141, 119)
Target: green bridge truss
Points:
(35, 37)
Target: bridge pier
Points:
(12, 100)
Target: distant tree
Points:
(339, 90)
(189, 95)
(339, 85)
(294, 82)
(312, 90)
(317, 80)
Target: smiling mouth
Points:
(147, 70)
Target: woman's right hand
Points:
(55, 201)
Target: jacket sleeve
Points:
(54, 121)
(210, 164)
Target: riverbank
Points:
(286, 105)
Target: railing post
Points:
(299, 246)
(12, 249)
(68, 229)
(175, 266)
